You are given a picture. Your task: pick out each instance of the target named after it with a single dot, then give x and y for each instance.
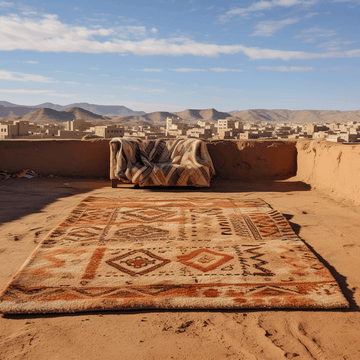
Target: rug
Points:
(183, 253)
(165, 162)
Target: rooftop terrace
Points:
(319, 207)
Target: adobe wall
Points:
(68, 158)
(253, 159)
(233, 159)
(331, 167)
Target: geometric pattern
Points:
(188, 253)
(137, 262)
(204, 260)
(140, 232)
(84, 233)
(147, 215)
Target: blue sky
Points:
(178, 54)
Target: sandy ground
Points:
(31, 208)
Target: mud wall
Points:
(332, 167)
(71, 158)
(253, 159)
(233, 159)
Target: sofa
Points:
(160, 162)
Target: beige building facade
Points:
(109, 131)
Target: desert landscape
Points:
(52, 113)
(319, 210)
(179, 180)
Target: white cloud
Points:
(11, 75)
(6, 4)
(311, 35)
(24, 91)
(188, 70)
(16, 76)
(334, 45)
(152, 70)
(27, 10)
(30, 62)
(284, 68)
(134, 88)
(157, 91)
(48, 34)
(342, 1)
(153, 80)
(264, 5)
(268, 28)
(225, 70)
(310, 15)
(35, 92)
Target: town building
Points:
(109, 131)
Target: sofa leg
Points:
(114, 183)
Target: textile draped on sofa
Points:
(161, 162)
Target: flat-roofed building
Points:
(14, 129)
(109, 131)
(229, 128)
(77, 125)
(200, 133)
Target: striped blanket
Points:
(161, 162)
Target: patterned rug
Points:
(188, 253)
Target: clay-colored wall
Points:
(332, 167)
(253, 159)
(232, 159)
(57, 157)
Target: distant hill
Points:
(106, 109)
(47, 115)
(190, 116)
(206, 115)
(297, 116)
(8, 104)
(125, 116)
(96, 109)
(14, 110)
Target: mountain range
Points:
(105, 114)
(115, 110)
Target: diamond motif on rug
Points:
(149, 214)
(140, 232)
(84, 233)
(192, 253)
(137, 262)
(204, 260)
